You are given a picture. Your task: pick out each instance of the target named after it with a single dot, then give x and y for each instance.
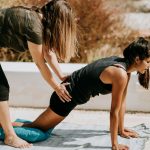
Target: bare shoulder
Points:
(119, 72)
(119, 76)
(113, 75)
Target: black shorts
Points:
(60, 108)
(4, 86)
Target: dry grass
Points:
(94, 21)
(101, 30)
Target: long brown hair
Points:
(140, 48)
(59, 29)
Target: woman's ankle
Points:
(12, 135)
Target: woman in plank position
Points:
(106, 75)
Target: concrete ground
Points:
(81, 118)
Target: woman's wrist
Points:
(120, 131)
(114, 147)
(56, 87)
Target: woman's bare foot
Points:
(17, 124)
(16, 142)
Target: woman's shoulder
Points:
(27, 15)
(16, 13)
(116, 72)
(29, 21)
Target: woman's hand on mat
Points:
(132, 133)
(63, 93)
(120, 147)
(127, 133)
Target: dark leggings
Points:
(4, 86)
(60, 108)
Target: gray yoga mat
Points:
(67, 136)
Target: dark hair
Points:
(140, 48)
(59, 29)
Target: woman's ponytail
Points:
(144, 79)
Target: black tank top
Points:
(85, 82)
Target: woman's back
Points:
(19, 25)
(86, 82)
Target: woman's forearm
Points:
(121, 117)
(123, 109)
(114, 121)
(53, 63)
(122, 113)
(47, 75)
(60, 89)
(38, 57)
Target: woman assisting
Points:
(48, 33)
